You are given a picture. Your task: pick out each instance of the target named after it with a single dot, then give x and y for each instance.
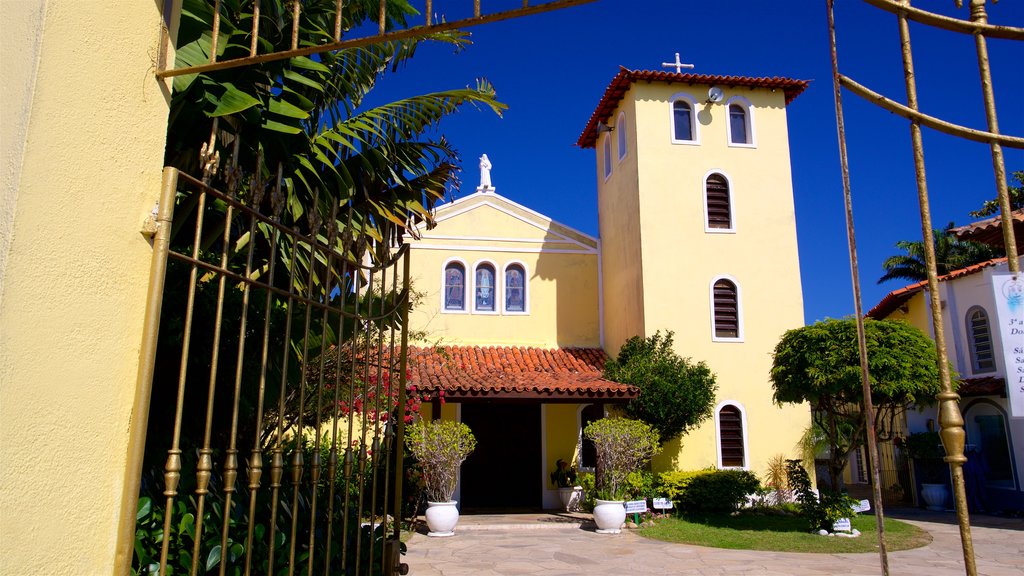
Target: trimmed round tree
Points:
(675, 394)
(820, 364)
(440, 447)
(623, 446)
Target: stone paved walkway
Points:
(558, 546)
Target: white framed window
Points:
(726, 311)
(453, 286)
(731, 434)
(718, 205)
(607, 149)
(485, 288)
(683, 114)
(516, 288)
(741, 122)
(979, 336)
(620, 135)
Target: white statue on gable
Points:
(485, 173)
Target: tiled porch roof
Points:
(897, 298)
(983, 386)
(514, 372)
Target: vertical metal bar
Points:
(337, 20)
(362, 462)
(295, 24)
(429, 9)
(950, 419)
(215, 32)
(231, 454)
(254, 41)
(380, 396)
(255, 468)
(356, 278)
(382, 17)
(204, 468)
(862, 347)
(144, 379)
(172, 467)
(403, 366)
(999, 167)
(277, 199)
(476, 8)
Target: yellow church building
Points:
(697, 235)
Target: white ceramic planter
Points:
(609, 516)
(934, 496)
(570, 498)
(442, 518)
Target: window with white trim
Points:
(454, 286)
(484, 288)
(730, 437)
(718, 203)
(515, 288)
(620, 135)
(607, 148)
(979, 334)
(741, 122)
(684, 127)
(726, 303)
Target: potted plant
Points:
(925, 448)
(622, 446)
(564, 477)
(440, 447)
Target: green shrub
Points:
(718, 491)
(640, 485)
(673, 484)
(622, 446)
(587, 481)
(822, 511)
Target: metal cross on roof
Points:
(678, 65)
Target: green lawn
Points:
(783, 533)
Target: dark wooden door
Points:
(504, 470)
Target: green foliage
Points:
(820, 364)
(1016, 193)
(717, 491)
(777, 479)
(589, 483)
(440, 447)
(819, 512)
(951, 253)
(640, 485)
(674, 483)
(927, 450)
(675, 394)
(623, 446)
(564, 475)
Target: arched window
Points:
(731, 452)
(484, 288)
(620, 134)
(607, 148)
(741, 125)
(683, 129)
(718, 203)
(515, 288)
(454, 286)
(726, 302)
(980, 337)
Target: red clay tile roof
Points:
(896, 298)
(478, 371)
(990, 230)
(984, 386)
(622, 81)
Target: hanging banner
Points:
(1009, 294)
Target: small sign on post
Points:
(662, 504)
(842, 525)
(636, 506)
(862, 506)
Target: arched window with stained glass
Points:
(484, 288)
(515, 288)
(454, 286)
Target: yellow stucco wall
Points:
(83, 131)
(678, 260)
(561, 267)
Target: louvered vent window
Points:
(719, 210)
(981, 340)
(730, 432)
(727, 318)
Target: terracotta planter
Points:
(609, 516)
(442, 518)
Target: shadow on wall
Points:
(575, 280)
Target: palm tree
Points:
(951, 254)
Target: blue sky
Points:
(552, 69)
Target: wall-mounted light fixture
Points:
(602, 127)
